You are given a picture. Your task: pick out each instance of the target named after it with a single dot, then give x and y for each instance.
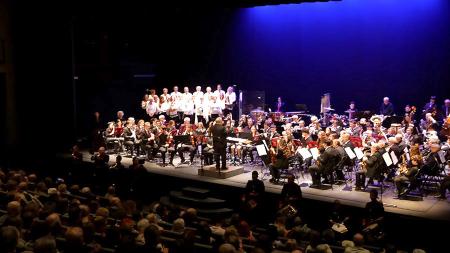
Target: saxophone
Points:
(403, 167)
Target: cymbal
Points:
(328, 108)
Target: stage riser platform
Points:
(210, 171)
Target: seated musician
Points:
(138, 139)
(431, 163)
(336, 144)
(118, 131)
(110, 130)
(326, 163)
(164, 140)
(188, 146)
(407, 173)
(208, 152)
(148, 141)
(353, 128)
(370, 167)
(249, 148)
(321, 138)
(278, 161)
(306, 137)
(250, 124)
(236, 148)
(273, 132)
(129, 133)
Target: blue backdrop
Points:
(356, 50)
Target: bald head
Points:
(358, 239)
(13, 208)
(227, 248)
(74, 236)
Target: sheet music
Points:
(394, 158)
(265, 144)
(304, 152)
(408, 158)
(261, 150)
(350, 153)
(359, 153)
(387, 159)
(442, 156)
(315, 153)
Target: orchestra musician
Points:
(164, 143)
(386, 108)
(279, 105)
(120, 116)
(148, 142)
(406, 173)
(351, 111)
(429, 123)
(326, 163)
(249, 148)
(370, 167)
(446, 109)
(186, 129)
(430, 107)
(129, 133)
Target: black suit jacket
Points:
(329, 159)
(387, 109)
(219, 136)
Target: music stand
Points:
(181, 139)
(200, 152)
(261, 150)
(245, 135)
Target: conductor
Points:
(219, 143)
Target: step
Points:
(205, 203)
(207, 213)
(195, 192)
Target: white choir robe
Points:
(220, 95)
(230, 98)
(187, 104)
(208, 99)
(216, 108)
(152, 109)
(163, 107)
(177, 98)
(197, 97)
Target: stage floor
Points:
(428, 207)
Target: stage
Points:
(427, 207)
